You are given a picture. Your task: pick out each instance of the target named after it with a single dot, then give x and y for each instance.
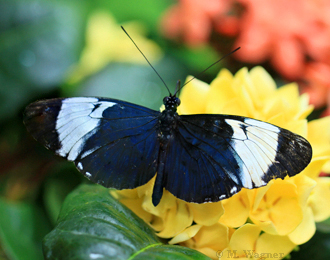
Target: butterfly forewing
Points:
(112, 142)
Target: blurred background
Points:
(60, 48)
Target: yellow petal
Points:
(167, 203)
(209, 252)
(319, 200)
(215, 237)
(228, 254)
(206, 214)
(273, 246)
(273, 113)
(279, 212)
(297, 126)
(242, 80)
(176, 220)
(257, 195)
(157, 223)
(263, 83)
(221, 92)
(316, 165)
(237, 203)
(305, 230)
(319, 136)
(193, 97)
(135, 206)
(289, 95)
(223, 73)
(126, 193)
(185, 235)
(305, 107)
(305, 185)
(209, 240)
(244, 238)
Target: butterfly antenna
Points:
(207, 69)
(177, 88)
(146, 59)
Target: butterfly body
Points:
(168, 119)
(198, 158)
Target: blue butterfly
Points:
(198, 158)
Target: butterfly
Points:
(198, 158)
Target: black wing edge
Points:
(40, 121)
(294, 153)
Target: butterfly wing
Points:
(209, 158)
(112, 142)
(214, 156)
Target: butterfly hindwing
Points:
(216, 155)
(112, 142)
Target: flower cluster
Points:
(106, 42)
(294, 36)
(268, 221)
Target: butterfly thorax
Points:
(168, 118)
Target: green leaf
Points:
(324, 226)
(22, 227)
(147, 11)
(39, 41)
(94, 225)
(198, 59)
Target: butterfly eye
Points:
(178, 101)
(165, 100)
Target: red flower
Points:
(293, 36)
(191, 20)
(316, 82)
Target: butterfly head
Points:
(171, 103)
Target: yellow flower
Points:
(106, 42)
(264, 223)
(172, 215)
(247, 242)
